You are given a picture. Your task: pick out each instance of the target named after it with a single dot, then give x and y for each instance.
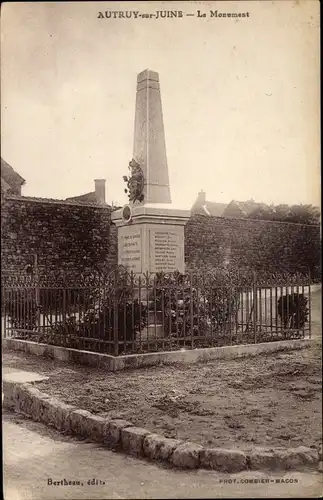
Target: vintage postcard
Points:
(161, 249)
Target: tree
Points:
(304, 214)
(262, 213)
(297, 214)
(281, 212)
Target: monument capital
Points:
(148, 74)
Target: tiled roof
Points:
(59, 202)
(4, 186)
(243, 208)
(215, 209)
(91, 197)
(9, 175)
(202, 206)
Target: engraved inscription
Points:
(166, 247)
(130, 252)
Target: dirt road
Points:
(35, 457)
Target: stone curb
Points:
(123, 435)
(116, 363)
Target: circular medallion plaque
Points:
(126, 213)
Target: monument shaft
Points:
(149, 148)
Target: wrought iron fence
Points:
(122, 313)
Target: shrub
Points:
(293, 311)
(20, 307)
(196, 305)
(107, 310)
(112, 314)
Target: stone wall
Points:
(263, 246)
(74, 236)
(64, 235)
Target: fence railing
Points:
(123, 313)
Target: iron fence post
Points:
(255, 309)
(115, 315)
(64, 307)
(191, 311)
(37, 292)
(4, 309)
(309, 305)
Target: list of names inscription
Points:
(166, 251)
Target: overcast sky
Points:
(240, 97)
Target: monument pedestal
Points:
(152, 239)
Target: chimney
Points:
(100, 190)
(201, 197)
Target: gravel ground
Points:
(269, 400)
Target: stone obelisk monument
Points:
(149, 147)
(150, 228)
